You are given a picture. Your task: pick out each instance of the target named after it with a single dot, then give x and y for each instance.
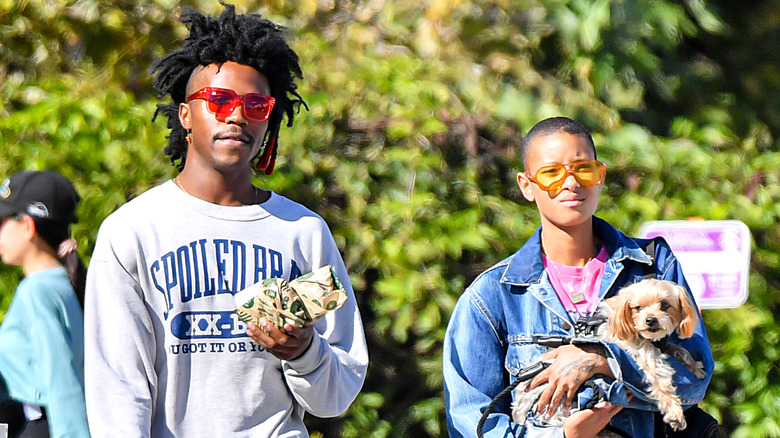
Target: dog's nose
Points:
(651, 321)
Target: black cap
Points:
(41, 194)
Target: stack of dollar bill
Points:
(301, 301)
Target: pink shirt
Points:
(577, 287)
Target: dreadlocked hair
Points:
(246, 39)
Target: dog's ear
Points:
(621, 325)
(690, 317)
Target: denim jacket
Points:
(514, 299)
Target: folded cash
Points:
(301, 301)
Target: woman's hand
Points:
(572, 365)
(589, 422)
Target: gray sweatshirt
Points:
(165, 353)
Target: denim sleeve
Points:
(474, 373)
(690, 389)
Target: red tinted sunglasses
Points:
(222, 102)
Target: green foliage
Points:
(91, 131)
(409, 150)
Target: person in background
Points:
(168, 356)
(572, 262)
(42, 334)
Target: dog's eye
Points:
(638, 308)
(664, 306)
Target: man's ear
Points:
(185, 112)
(525, 186)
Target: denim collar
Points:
(526, 267)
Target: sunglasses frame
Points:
(205, 93)
(569, 168)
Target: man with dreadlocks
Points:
(167, 356)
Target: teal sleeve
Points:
(58, 382)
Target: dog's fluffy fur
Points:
(650, 311)
(637, 316)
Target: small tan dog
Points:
(640, 315)
(648, 312)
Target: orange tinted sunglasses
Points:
(222, 102)
(587, 173)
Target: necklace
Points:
(573, 287)
(178, 183)
(255, 190)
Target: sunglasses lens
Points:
(588, 173)
(548, 177)
(222, 103)
(257, 106)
